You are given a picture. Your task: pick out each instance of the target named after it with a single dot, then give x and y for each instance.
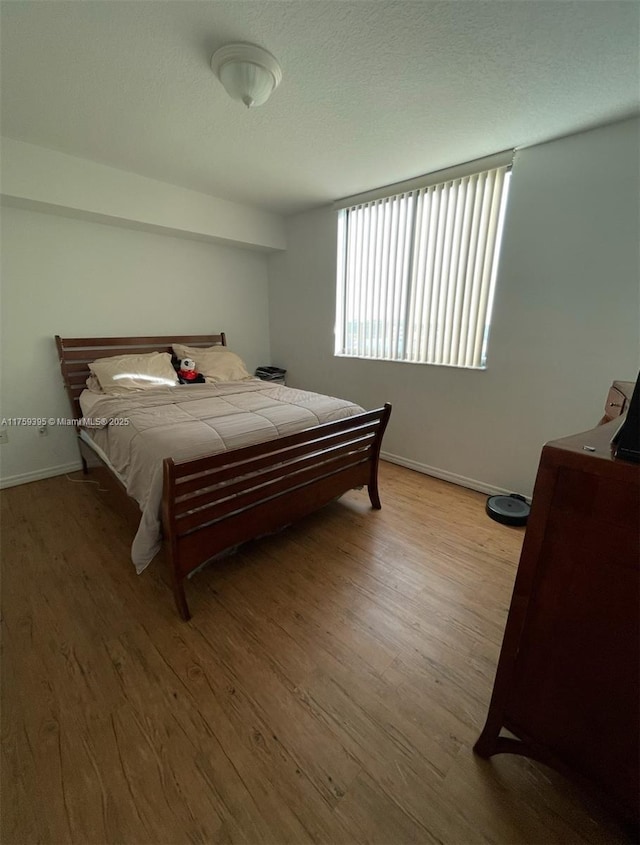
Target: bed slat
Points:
(266, 486)
(133, 342)
(233, 469)
(222, 490)
(366, 421)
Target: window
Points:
(417, 270)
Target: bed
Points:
(213, 495)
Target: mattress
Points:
(90, 441)
(137, 430)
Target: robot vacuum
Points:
(509, 510)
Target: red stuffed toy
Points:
(187, 373)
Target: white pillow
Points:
(134, 372)
(216, 363)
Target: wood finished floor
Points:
(328, 688)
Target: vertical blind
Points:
(416, 272)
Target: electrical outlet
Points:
(4, 435)
(43, 430)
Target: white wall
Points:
(566, 319)
(75, 278)
(41, 179)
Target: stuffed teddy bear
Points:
(187, 373)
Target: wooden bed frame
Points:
(213, 503)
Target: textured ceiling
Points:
(374, 91)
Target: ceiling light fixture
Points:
(249, 73)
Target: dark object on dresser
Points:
(567, 683)
(627, 438)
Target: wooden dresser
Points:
(567, 683)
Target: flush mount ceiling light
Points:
(249, 73)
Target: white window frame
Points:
(417, 265)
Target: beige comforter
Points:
(190, 421)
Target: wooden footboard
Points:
(214, 503)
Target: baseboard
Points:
(38, 474)
(445, 475)
(436, 472)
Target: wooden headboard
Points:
(76, 353)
